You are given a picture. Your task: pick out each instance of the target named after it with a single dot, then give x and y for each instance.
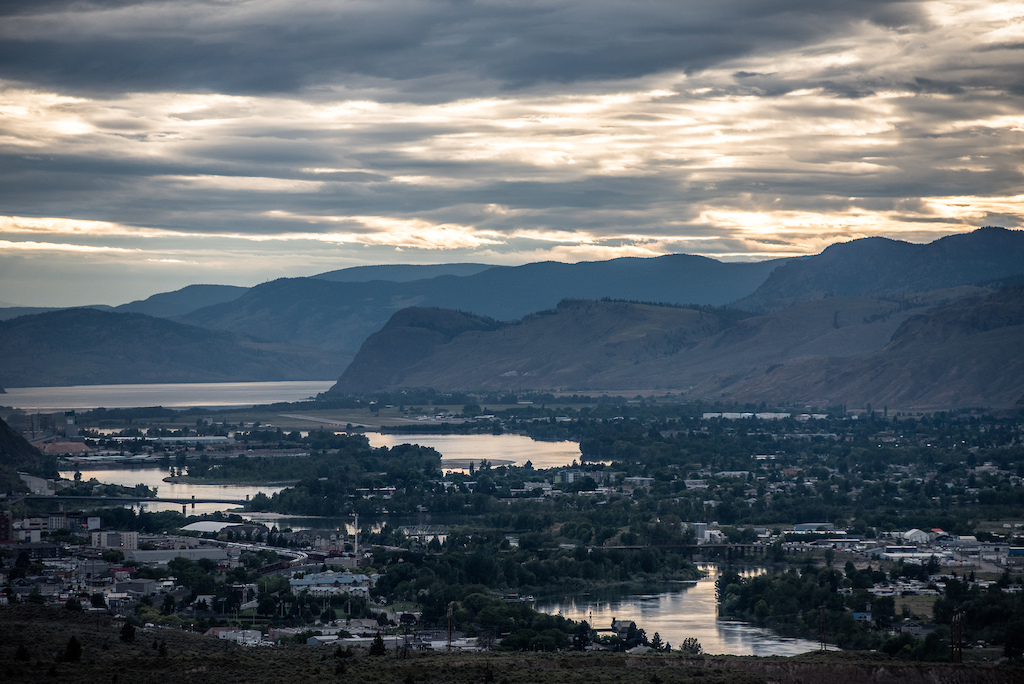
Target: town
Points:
(912, 503)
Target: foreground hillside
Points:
(159, 655)
(16, 454)
(841, 350)
(88, 347)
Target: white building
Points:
(329, 583)
(125, 541)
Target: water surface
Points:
(170, 395)
(153, 477)
(457, 451)
(676, 615)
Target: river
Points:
(690, 611)
(169, 395)
(154, 477)
(458, 451)
(676, 615)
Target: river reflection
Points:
(676, 615)
(458, 450)
(154, 477)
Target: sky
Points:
(147, 145)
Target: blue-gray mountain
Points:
(341, 315)
(90, 347)
(875, 281)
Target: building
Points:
(700, 530)
(124, 541)
(329, 583)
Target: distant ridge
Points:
(880, 267)
(341, 315)
(401, 273)
(181, 302)
(85, 346)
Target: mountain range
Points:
(340, 315)
(792, 324)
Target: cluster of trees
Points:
(435, 579)
(803, 603)
(993, 615)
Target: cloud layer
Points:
(162, 143)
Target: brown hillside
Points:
(603, 345)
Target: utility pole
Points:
(822, 631)
(451, 607)
(355, 546)
(956, 638)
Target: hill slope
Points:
(617, 345)
(880, 267)
(341, 315)
(834, 351)
(180, 302)
(401, 273)
(15, 454)
(86, 347)
(964, 354)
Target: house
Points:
(622, 627)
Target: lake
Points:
(168, 395)
(676, 615)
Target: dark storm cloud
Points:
(255, 139)
(248, 48)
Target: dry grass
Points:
(193, 658)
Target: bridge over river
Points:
(118, 500)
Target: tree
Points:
(73, 651)
(656, 642)
(377, 648)
(128, 633)
(74, 604)
(691, 646)
(98, 601)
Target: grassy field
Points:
(158, 656)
